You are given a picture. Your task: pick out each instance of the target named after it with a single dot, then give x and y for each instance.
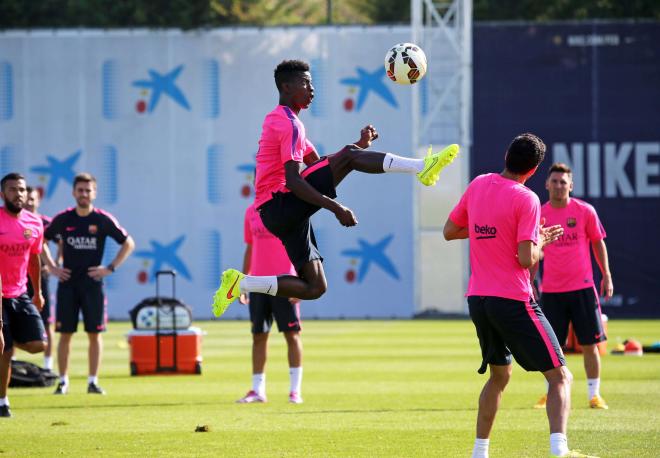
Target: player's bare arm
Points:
(529, 253)
(367, 135)
(53, 265)
(600, 253)
(34, 271)
(303, 190)
(98, 272)
(452, 231)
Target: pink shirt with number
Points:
(268, 254)
(19, 238)
(283, 139)
(567, 261)
(499, 213)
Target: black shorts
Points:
(75, 296)
(288, 217)
(579, 307)
(506, 327)
(21, 321)
(46, 312)
(264, 307)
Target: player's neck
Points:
(290, 104)
(84, 211)
(513, 176)
(10, 213)
(560, 203)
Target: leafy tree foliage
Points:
(188, 14)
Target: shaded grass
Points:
(371, 388)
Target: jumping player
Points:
(21, 241)
(501, 218)
(288, 193)
(265, 255)
(569, 294)
(82, 231)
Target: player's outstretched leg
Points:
(427, 170)
(230, 289)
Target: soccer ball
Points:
(405, 63)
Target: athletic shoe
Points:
(294, 398)
(93, 388)
(62, 388)
(4, 411)
(540, 404)
(435, 162)
(230, 289)
(598, 403)
(576, 454)
(252, 396)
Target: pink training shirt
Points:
(283, 139)
(268, 254)
(567, 261)
(19, 238)
(499, 213)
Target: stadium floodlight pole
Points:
(441, 114)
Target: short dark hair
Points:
(287, 70)
(84, 178)
(9, 177)
(525, 152)
(30, 189)
(561, 168)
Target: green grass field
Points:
(371, 388)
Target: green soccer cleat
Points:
(230, 289)
(435, 162)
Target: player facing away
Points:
(82, 231)
(501, 218)
(21, 241)
(569, 294)
(293, 183)
(265, 255)
(32, 205)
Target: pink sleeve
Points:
(459, 215)
(309, 147)
(529, 218)
(39, 241)
(292, 145)
(247, 233)
(594, 228)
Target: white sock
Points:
(558, 444)
(93, 379)
(4, 401)
(295, 377)
(593, 386)
(480, 449)
(394, 163)
(64, 379)
(259, 284)
(259, 383)
(48, 362)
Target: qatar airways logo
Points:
(485, 232)
(82, 243)
(15, 249)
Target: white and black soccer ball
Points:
(405, 63)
